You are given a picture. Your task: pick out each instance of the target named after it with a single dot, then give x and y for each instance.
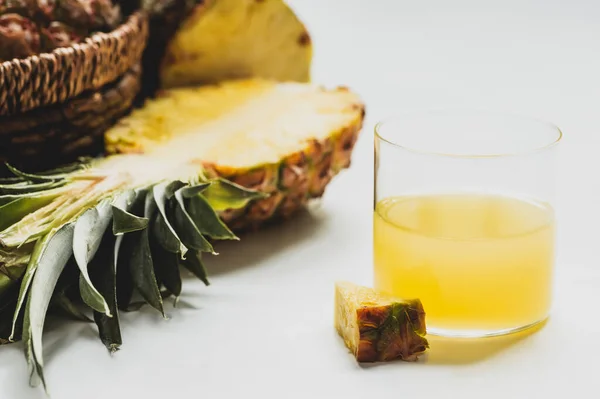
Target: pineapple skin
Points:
(379, 328)
(293, 182)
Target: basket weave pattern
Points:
(46, 137)
(56, 77)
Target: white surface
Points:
(264, 327)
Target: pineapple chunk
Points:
(376, 327)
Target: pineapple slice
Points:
(232, 39)
(376, 327)
(287, 140)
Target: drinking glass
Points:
(464, 218)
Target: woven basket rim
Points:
(31, 76)
(44, 137)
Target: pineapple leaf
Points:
(89, 230)
(207, 220)
(135, 306)
(138, 255)
(69, 307)
(223, 194)
(124, 286)
(10, 276)
(51, 261)
(165, 262)
(14, 211)
(125, 222)
(49, 194)
(5, 283)
(11, 180)
(150, 207)
(188, 230)
(32, 365)
(166, 267)
(38, 178)
(26, 188)
(172, 187)
(32, 266)
(194, 264)
(103, 273)
(7, 307)
(162, 228)
(135, 249)
(192, 191)
(67, 169)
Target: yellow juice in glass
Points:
(477, 262)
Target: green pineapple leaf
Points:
(166, 267)
(162, 228)
(12, 212)
(223, 194)
(61, 300)
(48, 194)
(66, 170)
(193, 263)
(103, 272)
(165, 262)
(50, 260)
(60, 173)
(5, 283)
(125, 222)
(124, 286)
(192, 191)
(27, 188)
(89, 230)
(172, 187)
(135, 250)
(10, 275)
(137, 254)
(12, 180)
(7, 308)
(185, 226)
(30, 271)
(207, 220)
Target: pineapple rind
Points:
(376, 327)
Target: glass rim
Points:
(534, 149)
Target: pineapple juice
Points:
(480, 264)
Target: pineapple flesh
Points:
(376, 327)
(285, 139)
(235, 39)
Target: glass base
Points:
(473, 333)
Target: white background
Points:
(264, 328)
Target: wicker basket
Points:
(55, 106)
(46, 137)
(65, 73)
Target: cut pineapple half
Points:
(377, 327)
(287, 139)
(233, 39)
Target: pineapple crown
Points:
(90, 235)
